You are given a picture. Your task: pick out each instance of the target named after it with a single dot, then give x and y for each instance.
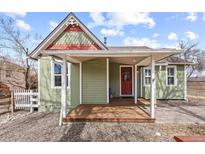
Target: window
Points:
(171, 75)
(147, 76)
(8, 73)
(57, 73)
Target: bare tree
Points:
(193, 54)
(17, 42)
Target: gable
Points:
(70, 34)
(73, 38)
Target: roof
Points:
(138, 48)
(174, 60)
(197, 79)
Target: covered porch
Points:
(130, 58)
(118, 111)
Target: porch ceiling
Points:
(127, 60)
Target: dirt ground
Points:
(180, 112)
(25, 126)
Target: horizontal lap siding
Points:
(94, 81)
(162, 90)
(75, 85)
(114, 78)
(50, 98)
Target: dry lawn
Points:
(24, 126)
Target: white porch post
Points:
(80, 82)
(153, 88)
(135, 84)
(63, 91)
(107, 68)
(185, 84)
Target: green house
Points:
(75, 67)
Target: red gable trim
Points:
(73, 28)
(74, 47)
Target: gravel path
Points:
(24, 126)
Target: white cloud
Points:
(52, 24)
(22, 25)
(191, 17)
(115, 22)
(191, 35)
(121, 19)
(131, 41)
(172, 36)
(155, 35)
(97, 18)
(16, 14)
(111, 32)
(130, 18)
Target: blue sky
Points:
(155, 30)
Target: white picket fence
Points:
(25, 99)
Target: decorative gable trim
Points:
(71, 19)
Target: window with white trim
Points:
(147, 76)
(171, 75)
(57, 74)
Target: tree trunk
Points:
(27, 72)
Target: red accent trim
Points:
(73, 28)
(74, 47)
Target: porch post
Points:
(63, 90)
(185, 84)
(80, 82)
(153, 89)
(135, 84)
(107, 68)
(141, 71)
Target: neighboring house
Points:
(196, 88)
(11, 75)
(95, 72)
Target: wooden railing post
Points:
(12, 102)
(31, 100)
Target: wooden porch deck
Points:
(113, 112)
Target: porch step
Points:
(142, 101)
(77, 119)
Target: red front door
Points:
(126, 81)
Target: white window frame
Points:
(52, 74)
(175, 75)
(144, 76)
